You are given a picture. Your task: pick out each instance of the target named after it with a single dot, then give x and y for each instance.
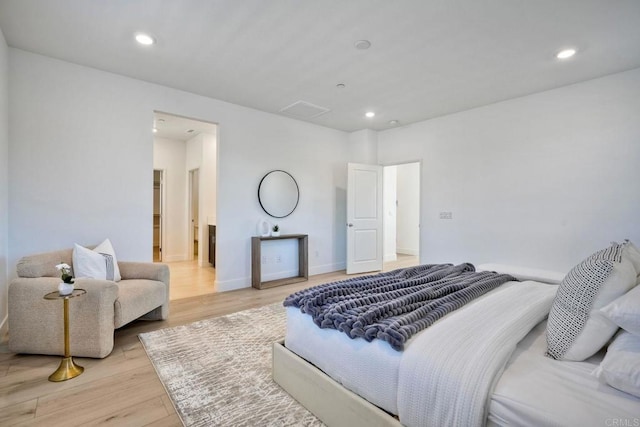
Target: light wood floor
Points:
(122, 389)
(190, 280)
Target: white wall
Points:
(408, 209)
(541, 180)
(170, 156)
(363, 147)
(209, 177)
(82, 155)
(316, 158)
(4, 181)
(389, 197)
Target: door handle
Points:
(349, 225)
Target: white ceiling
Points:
(179, 128)
(428, 57)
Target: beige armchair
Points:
(36, 324)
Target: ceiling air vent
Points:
(303, 110)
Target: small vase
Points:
(263, 228)
(65, 288)
(275, 233)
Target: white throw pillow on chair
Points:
(106, 250)
(99, 263)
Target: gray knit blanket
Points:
(395, 305)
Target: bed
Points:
(483, 363)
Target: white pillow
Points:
(625, 311)
(576, 328)
(632, 253)
(524, 273)
(620, 367)
(99, 263)
(88, 264)
(106, 249)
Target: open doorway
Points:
(401, 220)
(185, 150)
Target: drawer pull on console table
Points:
(256, 256)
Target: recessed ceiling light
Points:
(362, 44)
(145, 39)
(190, 131)
(393, 122)
(340, 86)
(370, 114)
(566, 53)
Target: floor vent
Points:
(304, 110)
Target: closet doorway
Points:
(401, 218)
(185, 151)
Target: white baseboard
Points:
(279, 275)
(407, 251)
(391, 257)
(232, 285)
(327, 268)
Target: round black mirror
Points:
(278, 194)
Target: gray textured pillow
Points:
(576, 329)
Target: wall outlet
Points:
(278, 259)
(446, 215)
(317, 254)
(264, 259)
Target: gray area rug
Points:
(218, 371)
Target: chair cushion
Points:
(43, 264)
(137, 297)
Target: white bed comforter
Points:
(447, 374)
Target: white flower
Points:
(65, 272)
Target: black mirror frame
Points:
(297, 190)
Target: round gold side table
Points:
(67, 368)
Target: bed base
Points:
(325, 398)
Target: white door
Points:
(364, 218)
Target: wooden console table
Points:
(256, 258)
